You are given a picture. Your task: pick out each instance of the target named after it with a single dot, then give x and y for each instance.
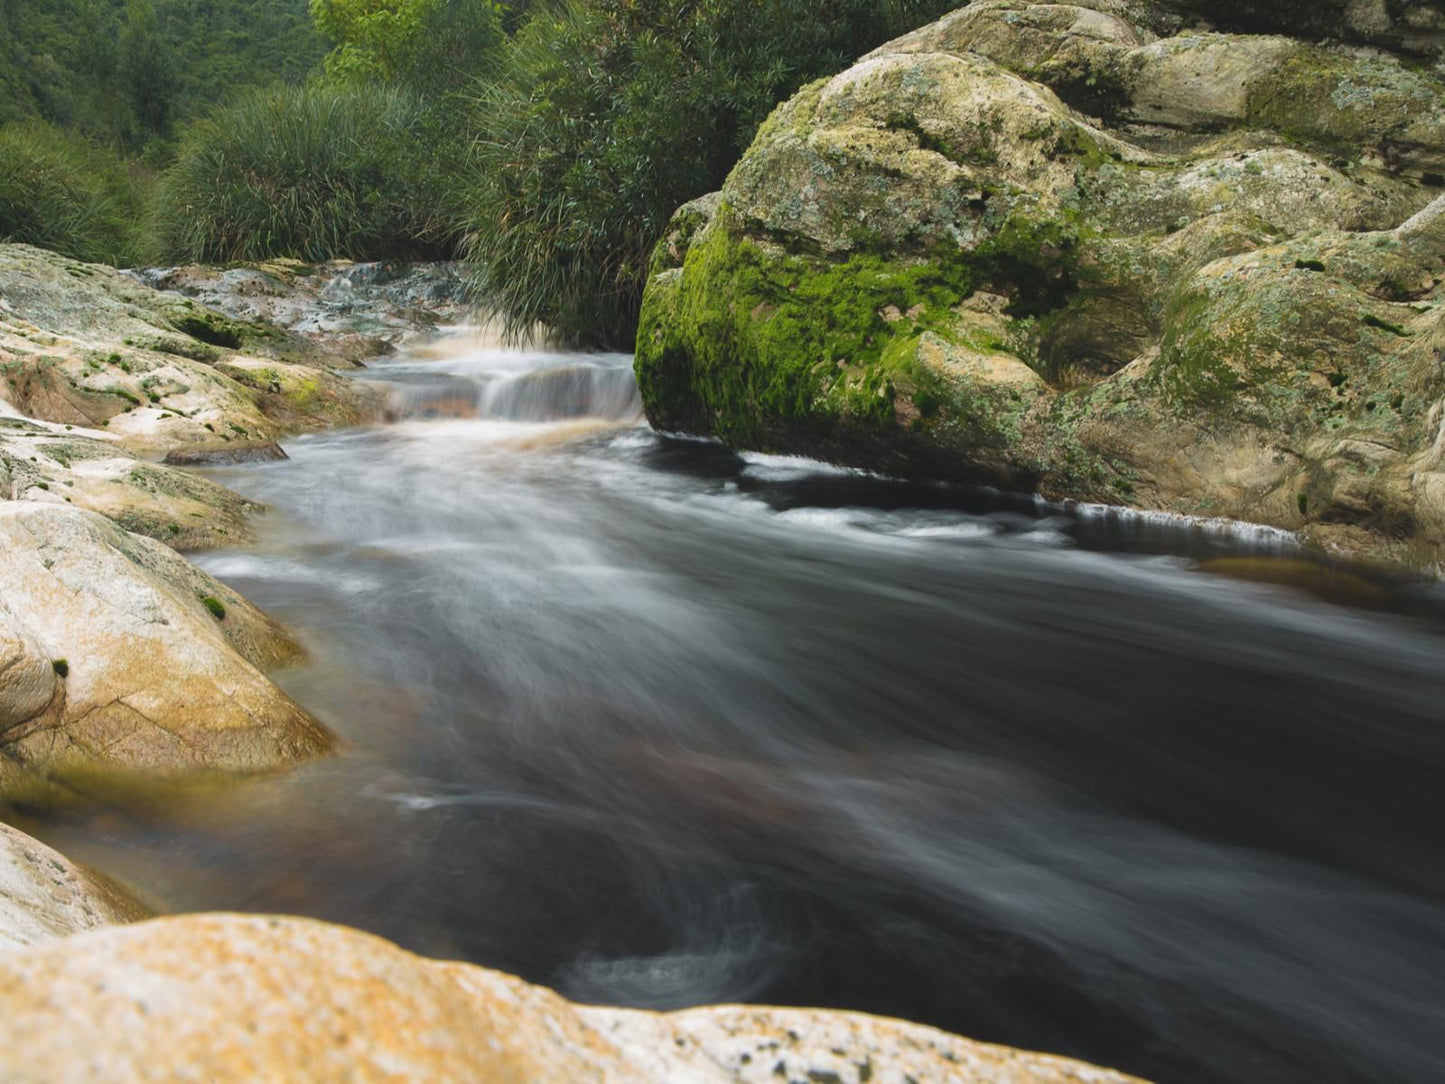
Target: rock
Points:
(300, 397)
(89, 469)
(242, 998)
(246, 453)
(44, 896)
(160, 661)
(86, 345)
(357, 310)
(1415, 26)
(1225, 276)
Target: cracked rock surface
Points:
(154, 666)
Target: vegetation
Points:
(129, 72)
(218, 610)
(59, 191)
(558, 138)
(432, 46)
(603, 116)
(309, 172)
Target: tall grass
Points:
(314, 173)
(60, 192)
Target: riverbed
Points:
(658, 724)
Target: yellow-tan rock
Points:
(223, 998)
(154, 663)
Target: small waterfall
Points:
(521, 387)
(566, 391)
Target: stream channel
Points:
(661, 725)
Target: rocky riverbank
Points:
(122, 664)
(122, 658)
(1097, 250)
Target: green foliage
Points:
(218, 611)
(603, 116)
(60, 192)
(311, 173)
(128, 71)
(431, 46)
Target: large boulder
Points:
(125, 659)
(230, 998)
(45, 896)
(1038, 246)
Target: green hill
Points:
(128, 71)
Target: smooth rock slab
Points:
(222, 998)
(154, 681)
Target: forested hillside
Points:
(129, 71)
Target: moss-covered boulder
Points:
(1039, 246)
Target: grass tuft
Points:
(313, 173)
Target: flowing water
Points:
(661, 725)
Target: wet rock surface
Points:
(152, 664)
(45, 896)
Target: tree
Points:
(427, 45)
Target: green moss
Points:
(218, 611)
(211, 329)
(1371, 320)
(751, 336)
(61, 667)
(123, 394)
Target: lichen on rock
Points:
(245, 998)
(1212, 252)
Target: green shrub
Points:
(58, 191)
(430, 46)
(602, 116)
(314, 173)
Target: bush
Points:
(430, 46)
(313, 173)
(604, 115)
(58, 191)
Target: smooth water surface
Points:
(660, 725)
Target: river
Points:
(661, 725)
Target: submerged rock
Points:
(243, 998)
(153, 665)
(1038, 246)
(45, 896)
